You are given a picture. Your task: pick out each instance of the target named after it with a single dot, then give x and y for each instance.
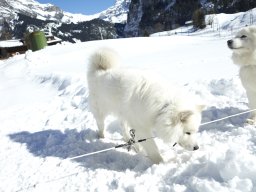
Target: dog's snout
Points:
(196, 148)
(229, 42)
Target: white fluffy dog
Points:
(142, 103)
(243, 46)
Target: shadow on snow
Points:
(214, 113)
(72, 143)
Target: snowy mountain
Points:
(33, 9)
(117, 13)
(45, 118)
(9, 9)
(19, 16)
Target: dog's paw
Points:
(101, 135)
(157, 159)
(250, 122)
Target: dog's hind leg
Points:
(100, 118)
(100, 124)
(98, 115)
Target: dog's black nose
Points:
(196, 148)
(229, 42)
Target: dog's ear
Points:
(184, 115)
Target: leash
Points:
(132, 141)
(128, 145)
(221, 119)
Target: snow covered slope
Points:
(45, 119)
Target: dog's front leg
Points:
(152, 151)
(251, 94)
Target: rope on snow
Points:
(221, 119)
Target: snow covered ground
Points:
(45, 119)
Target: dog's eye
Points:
(188, 133)
(243, 37)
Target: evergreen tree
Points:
(198, 19)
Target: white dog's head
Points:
(189, 122)
(243, 46)
(244, 41)
(182, 127)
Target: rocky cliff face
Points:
(134, 18)
(150, 16)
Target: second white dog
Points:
(244, 55)
(143, 103)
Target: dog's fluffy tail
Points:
(103, 59)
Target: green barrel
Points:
(37, 40)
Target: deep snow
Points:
(45, 119)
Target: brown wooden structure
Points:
(9, 48)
